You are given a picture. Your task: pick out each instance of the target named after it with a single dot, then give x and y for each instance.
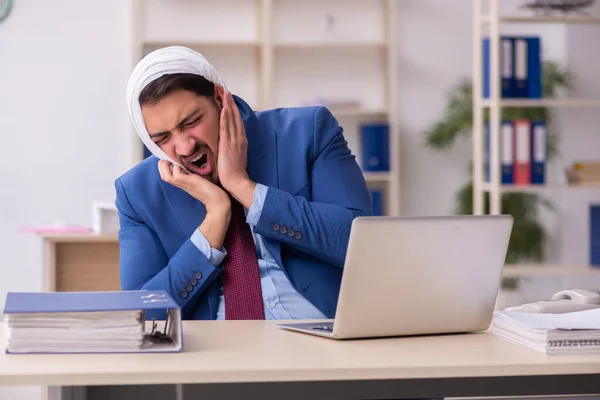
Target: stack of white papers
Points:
(567, 333)
(100, 331)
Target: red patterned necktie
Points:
(240, 276)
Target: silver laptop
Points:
(418, 275)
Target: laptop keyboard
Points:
(327, 326)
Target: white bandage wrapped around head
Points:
(167, 60)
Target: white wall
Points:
(434, 53)
(63, 70)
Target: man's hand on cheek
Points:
(213, 197)
(215, 200)
(233, 154)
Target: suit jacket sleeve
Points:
(145, 265)
(320, 227)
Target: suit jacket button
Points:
(194, 281)
(282, 230)
(275, 227)
(183, 294)
(188, 288)
(290, 232)
(198, 275)
(298, 235)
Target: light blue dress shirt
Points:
(280, 299)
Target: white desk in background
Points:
(90, 262)
(256, 360)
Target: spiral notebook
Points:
(91, 322)
(568, 333)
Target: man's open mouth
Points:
(201, 163)
(200, 160)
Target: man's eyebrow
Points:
(187, 118)
(183, 121)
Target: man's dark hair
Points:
(166, 84)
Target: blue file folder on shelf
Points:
(538, 152)
(91, 322)
(507, 68)
(506, 142)
(594, 232)
(377, 202)
(521, 71)
(520, 67)
(507, 152)
(534, 68)
(375, 147)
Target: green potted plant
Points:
(528, 236)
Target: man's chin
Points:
(210, 177)
(207, 172)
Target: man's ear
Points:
(219, 94)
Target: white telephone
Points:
(563, 302)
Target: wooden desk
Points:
(81, 262)
(255, 359)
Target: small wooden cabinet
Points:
(80, 262)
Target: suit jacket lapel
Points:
(262, 147)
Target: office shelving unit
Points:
(488, 23)
(285, 53)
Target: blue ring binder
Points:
(91, 322)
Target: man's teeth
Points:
(202, 157)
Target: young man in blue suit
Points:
(239, 214)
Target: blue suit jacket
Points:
(315, 187)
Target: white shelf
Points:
(195, 21)
(548, 270)
(329, 21)
(253, 43)
(200, 43)
(487, 187)
(377, 176)
(532, 103)
(276, 46)
(495, 105)
(492, 24)
(329, 45)
(545, 19)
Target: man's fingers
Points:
(224, 131)
(230, 124)
(180, 175)
(173, 174)
(237, 117)
(164, 168)
(184, 179)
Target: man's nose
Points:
(184, 144)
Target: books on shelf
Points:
(375, 147)
(522, 151)
(520, 67)
(567, 333)
(594, 235)
(91, 322)
(377, 201)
